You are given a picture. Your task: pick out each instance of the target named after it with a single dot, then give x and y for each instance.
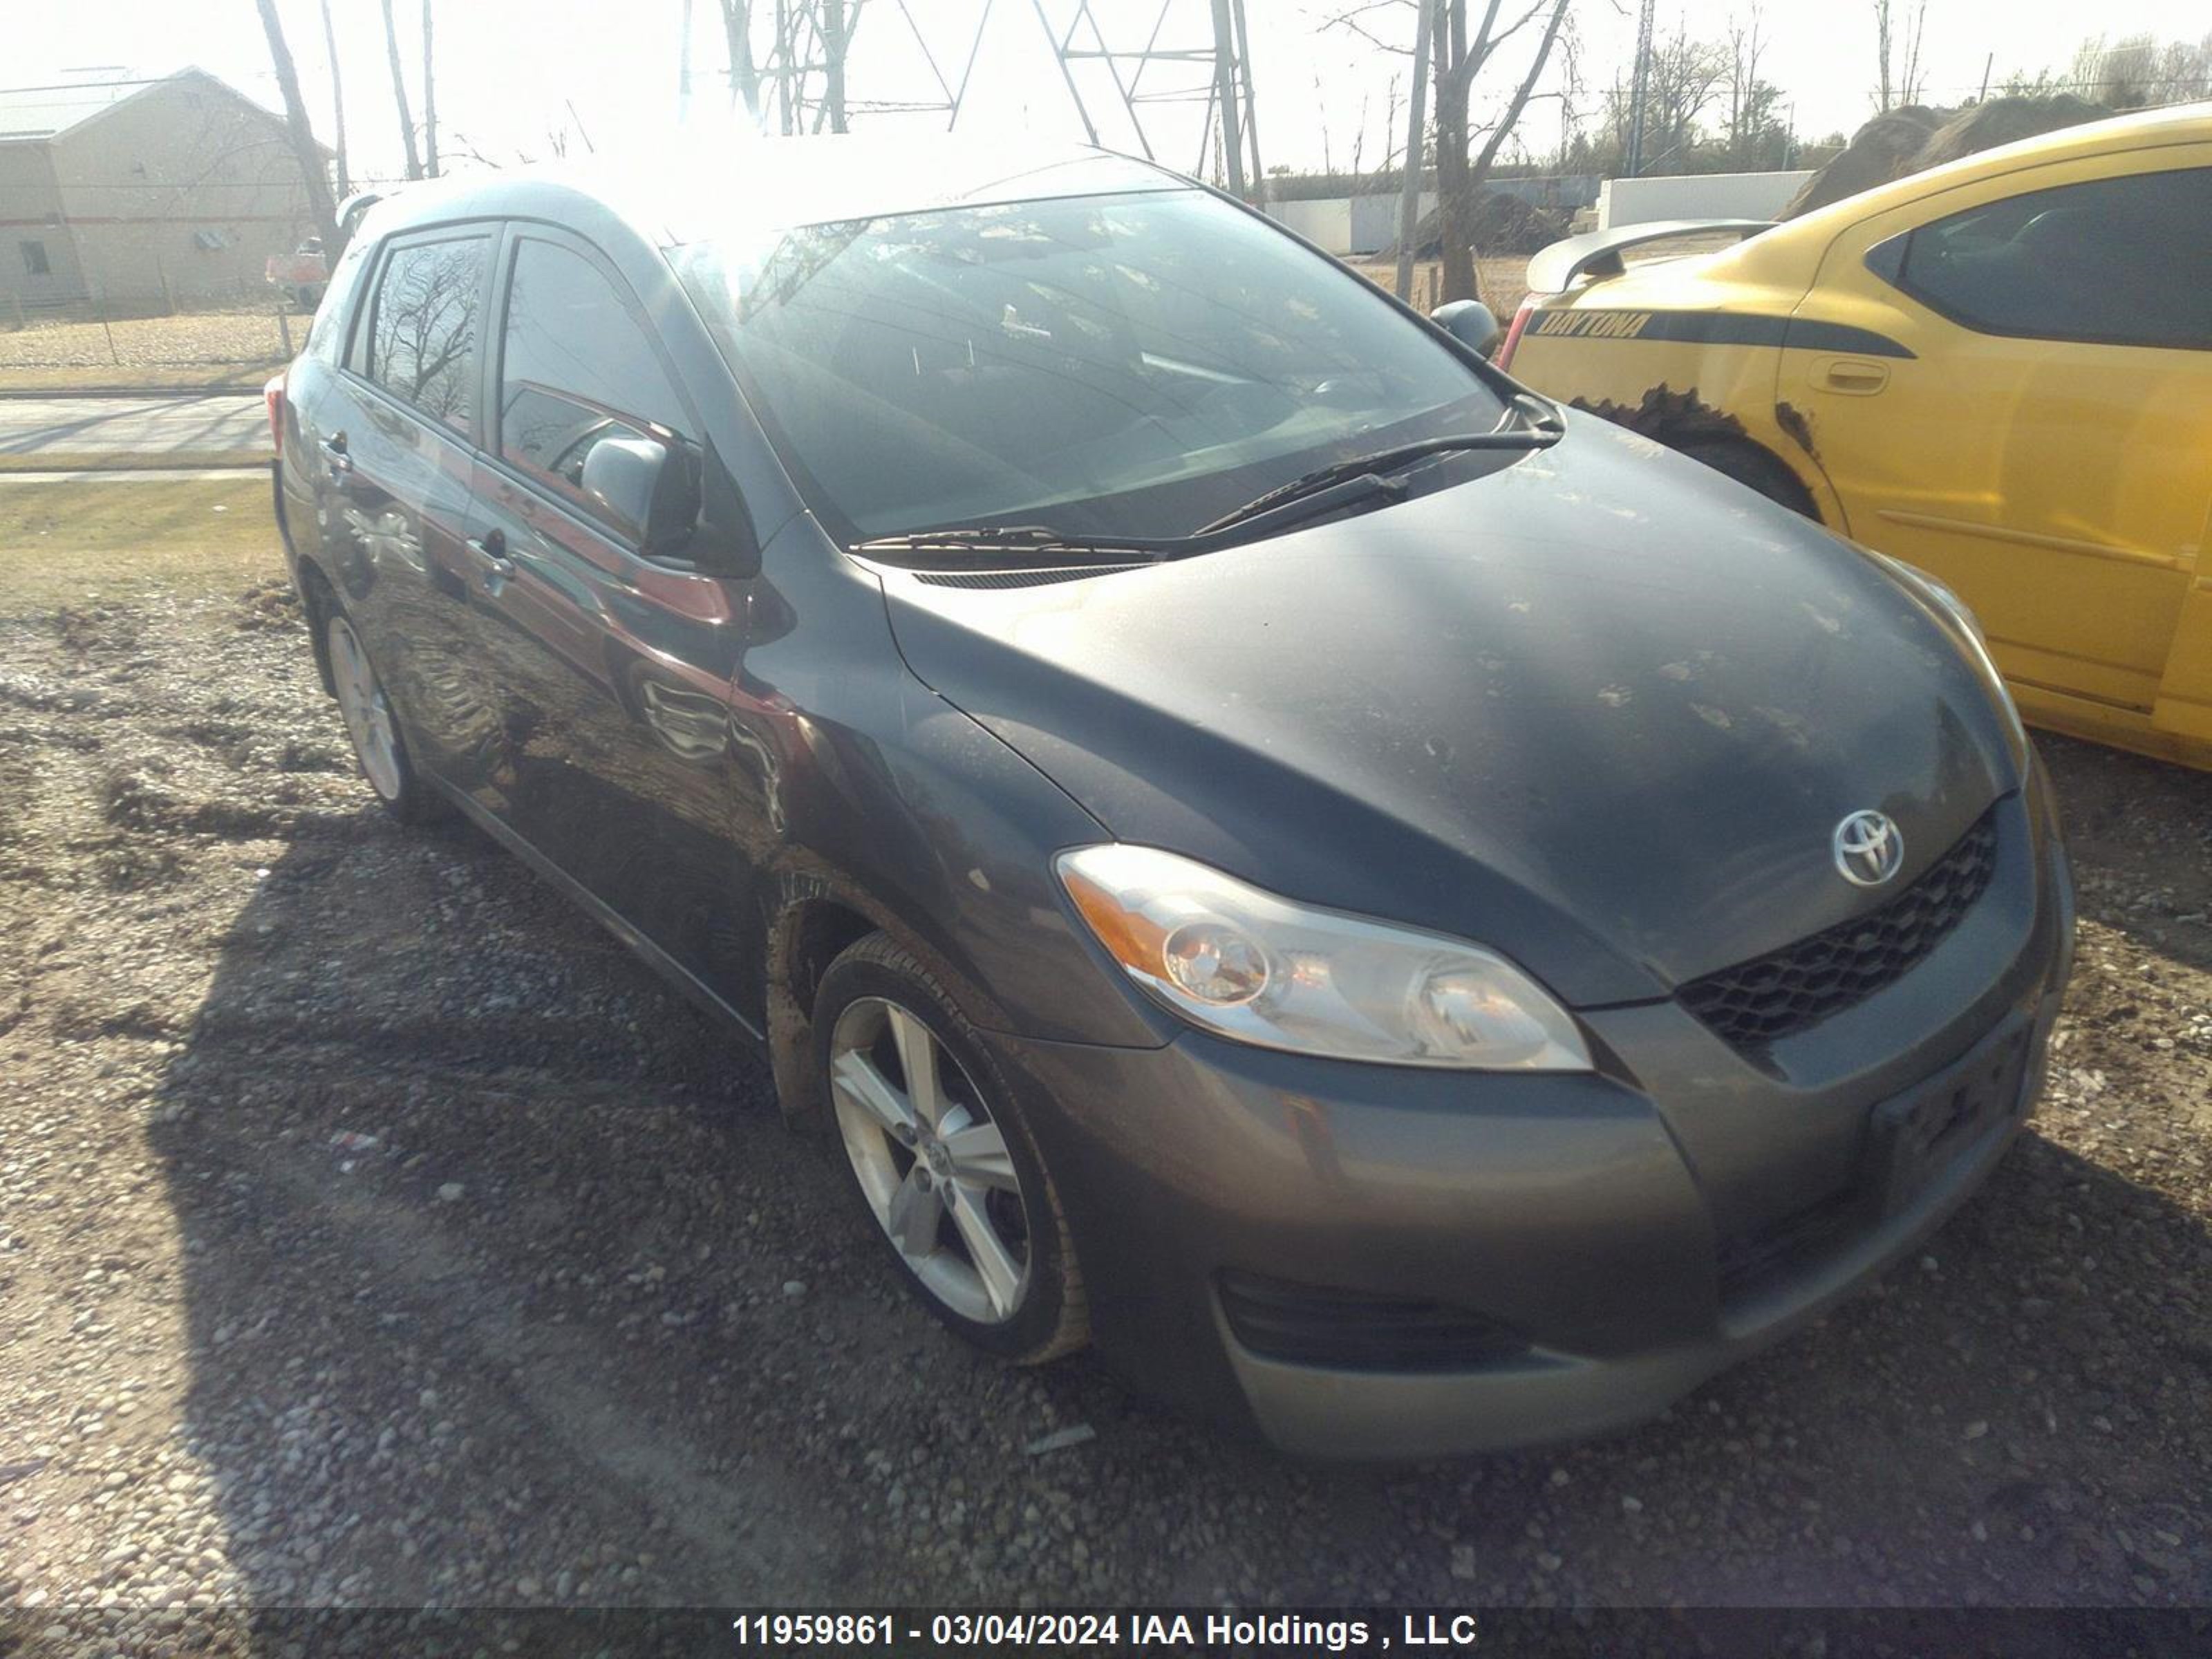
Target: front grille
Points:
(1787, 991)
(1308, 1325)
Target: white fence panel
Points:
(1695, 196)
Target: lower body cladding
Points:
(1374, 1262)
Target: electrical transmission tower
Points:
(1640, 96)
(1210, 65)
(791, 66)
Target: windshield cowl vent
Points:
(1018, 578)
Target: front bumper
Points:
(1636, 1229)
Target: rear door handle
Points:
(1855, 376)
(492, 548)
(334, 453)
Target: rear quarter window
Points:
(2113, 261)
(326, 334)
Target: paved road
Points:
(58, 426)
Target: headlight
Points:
(1235, 960)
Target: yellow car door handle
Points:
(1853, 375)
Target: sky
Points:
(513, 74)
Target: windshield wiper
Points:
(1325, 490)
(1022, 540)
(1542, 429)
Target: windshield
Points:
(1107, 365)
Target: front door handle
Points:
(492, 548)
(335, 455)
(1854, 376)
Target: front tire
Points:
(943, 1161)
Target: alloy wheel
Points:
(367, 715)
(932, 1163)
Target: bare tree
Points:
(399, 94)
(429, 100)
(1748, 96)
(337, 104)
(1460, 53)
(299, 129)
(1899, 26)
(1683, 78)
(1460, 282)
(1913, 80)
(2138, 73)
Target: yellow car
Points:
(1999, 370)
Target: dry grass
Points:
(61, 380)
(132, 460)
(111, 538)
(1504, 280)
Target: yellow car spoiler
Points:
(1598, 253)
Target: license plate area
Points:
(1918, 1134)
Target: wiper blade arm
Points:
(1537, 435)
(1542, 416)
(1294, 508)
(1021, 540)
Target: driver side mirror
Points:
(1468, 321)
(647, 490)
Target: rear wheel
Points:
(1756, 469)
(378, 743)
(942, 1160)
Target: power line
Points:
(90, 86)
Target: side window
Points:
(576, 366)
(2119, 261)
(326, 334)
(34, 260)
(422, 329)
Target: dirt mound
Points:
(1506, 224)
(1883, 150)
(2003, 121)
(1503, 224)
(1911, 139)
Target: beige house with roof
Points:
(145, 191)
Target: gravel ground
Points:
(374, 1232)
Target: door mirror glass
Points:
(645, 490)
(1469, 322)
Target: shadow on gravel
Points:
(482, 1263)
(508, 1288)
(2141, 832)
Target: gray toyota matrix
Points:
(1411, 919)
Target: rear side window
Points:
(423, 326)
(576, 366)
(326, 337)
(2117, 261)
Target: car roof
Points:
(691, 191)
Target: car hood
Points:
(1600, 710)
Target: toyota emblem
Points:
(1869, 848)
